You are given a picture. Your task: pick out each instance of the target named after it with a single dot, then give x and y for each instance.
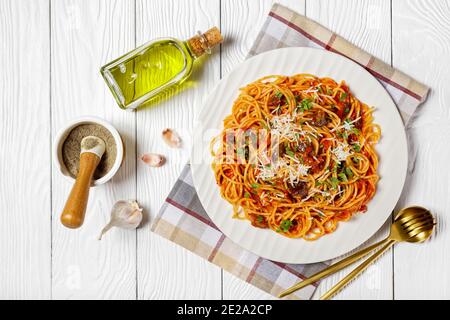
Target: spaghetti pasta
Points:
(296, 155)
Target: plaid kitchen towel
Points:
(182, 218)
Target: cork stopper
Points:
(203, 42)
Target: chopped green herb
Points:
(260, 219)
(278, 230)
(329, 92)
(318, 183)
(357, 147)
(343, 177)
(278, 94)
(334, 182)
(348, 172)
(335, 167)
(286, 225)
(347, 110)
(355, 131)
(319, 89)
(289, 151)
(306, 104)
(247, 194)
(255, 185)
(343, 96)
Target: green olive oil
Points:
(144, 73)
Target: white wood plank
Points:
(366, 24)
(421, 47)
(85, 35)
(241, 22)
(25, 235)
(166, 270)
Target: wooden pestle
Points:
(92, 149)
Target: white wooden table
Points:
(50, 54)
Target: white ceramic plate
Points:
(392, 151)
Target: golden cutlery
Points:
(411, 224)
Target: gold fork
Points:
(411, 224)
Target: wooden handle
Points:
(75, 208)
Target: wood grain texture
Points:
(241, 22)
(367, 25)
(423, 28)
(25, 239)
(85, 35)
(165, 270)
(51, 53)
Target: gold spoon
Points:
(411, 224)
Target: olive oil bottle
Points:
(142, 74)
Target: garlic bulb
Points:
(171, 138)
(153, 159)
(124, 214)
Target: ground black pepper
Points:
(72, 147)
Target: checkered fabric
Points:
(285, 28)
(182, 218)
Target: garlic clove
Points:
(172, 138)
(153, 159)
(105, 229)
(125, 214)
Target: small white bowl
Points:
(64, 132)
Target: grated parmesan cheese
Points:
(324, 193)
(303, 170)
(319, 212)
(291, 171)
(265, 172)
(285, 127)
(347, 126)
(310, 90)
(342, 151)
(334, 196)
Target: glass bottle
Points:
(143, 73)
